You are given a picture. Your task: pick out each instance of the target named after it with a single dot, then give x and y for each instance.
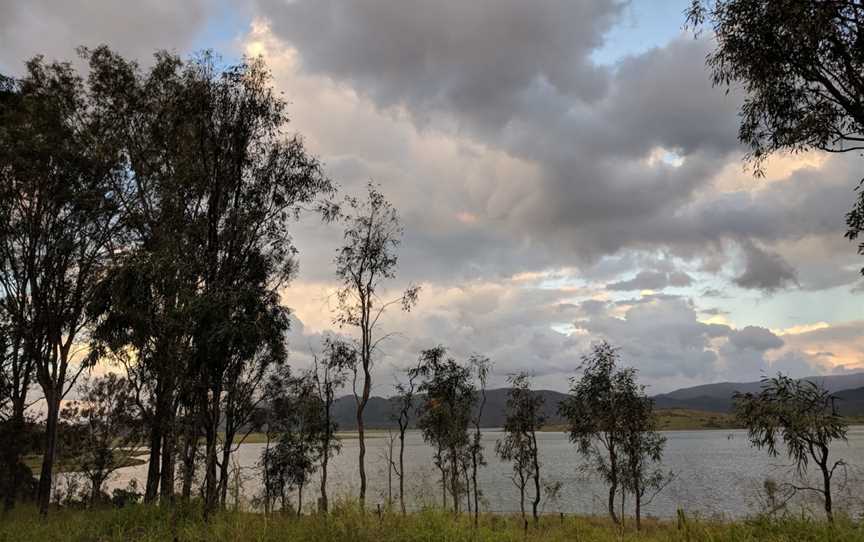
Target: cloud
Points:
(652, 280)
(755, 338)
(55, 29)
(764, 270)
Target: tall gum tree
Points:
(365, 261)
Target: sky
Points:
(564, 171)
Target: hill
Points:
(718, 397)
(686, 408)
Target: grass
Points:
(150, 524)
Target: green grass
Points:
(152, 524)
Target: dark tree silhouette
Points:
(59, 219)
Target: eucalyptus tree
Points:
(642, 446)
(801, 419)
(800, 66)
(595, 419)
(296, 421)
(524, 419)
(216, 184)
(481, 365)
(109, 435)
(59, 212)
(405, 406)
(445, 415)
(328, 377)
(364, 262)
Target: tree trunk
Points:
(536, 468)
(474, 467)
(638, 498)
(361, 435)
(402, 470)
(152, 487)
(299, 500)
(324, 506)
(169, 444)
(13, 454)
(210, 481)
(468, 491)
(190, 448)
(211, 487)
(52, 398)
(96, 489)
(613, 483)
(454, 480)
(826, 481)
(522, 494)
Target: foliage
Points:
(800, 415)
(594, 421)
(445, 415)
(366, 259)
(524, 419)
(108, 429)
(58, 220)
(642, 446)
(800, 64)
(296, 420)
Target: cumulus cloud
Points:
(652, 280)
(764, 270)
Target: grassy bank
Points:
(151, 524)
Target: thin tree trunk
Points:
(324, 461)
(13, 454)
(299, 500)
(536, 468)
(361, 434)
(190, 449)
(168, 460)
(454, 480)
(468, 491)
(402, 470)
(52, 397)
(522, 484)
(826, 484)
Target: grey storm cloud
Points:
(56, 28)
(755, 338)
(519, 77)
(652, 280)
(480, 59)
(765, 270)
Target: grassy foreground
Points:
(152, 524)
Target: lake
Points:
(717, 474)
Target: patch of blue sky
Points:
(791, 307)
(223, 31)
(644, 25)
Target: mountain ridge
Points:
(716, 397)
